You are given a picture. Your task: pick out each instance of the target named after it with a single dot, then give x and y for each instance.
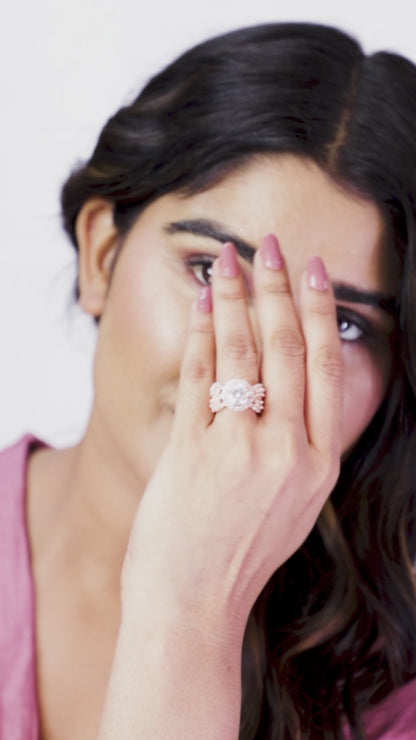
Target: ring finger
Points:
(236, 353)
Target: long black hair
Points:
(333, 631)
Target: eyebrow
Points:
(214, 230)
(342, 291)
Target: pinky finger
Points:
(198, 367)
(324, 366)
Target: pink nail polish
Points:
(204, 303)
(317, 277)
(228, 261)
(270, 252)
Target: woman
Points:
(250, 216)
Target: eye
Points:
(200, 265)
(348, 331)
(351, 327)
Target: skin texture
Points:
(150, 422)
(148, 305)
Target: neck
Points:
(81, 506)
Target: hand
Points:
(235, 494)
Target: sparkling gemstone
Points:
(236, 394)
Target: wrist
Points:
(185, 668)
(163, 617)
(155, 601)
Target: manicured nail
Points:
(317, 277)
(270, 252)
(228, 261)
(204, 303)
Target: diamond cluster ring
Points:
(238, 395)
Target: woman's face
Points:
(166, 258)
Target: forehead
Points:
(306, 209)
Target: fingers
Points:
(301, 359)
(198, 368)
(323, 408)
(283, 347)
(220, 345)
(236, 352)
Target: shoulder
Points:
(14, 555)
(13, 461)
(13, 470)
(14, 540)
(14, 458)
(18, 714)
(394, 718)
(13, 465)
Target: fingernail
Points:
(228, 260)
(204, 303)
(270, 252)
(317, 277)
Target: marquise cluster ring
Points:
(237, 395)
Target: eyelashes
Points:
(352, 327)
(200, 265)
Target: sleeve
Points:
(395, 717)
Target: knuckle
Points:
(230, 291)
(196, 370)
(245, 453)
(278, 287)
(288, 342)
(328, 361)
(292, 450)
(237, 465)
(240, 347)
(323, 307)
(201, 329)
(287, 450)
(327, 472)
(334, 472)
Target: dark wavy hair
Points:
(333, 631)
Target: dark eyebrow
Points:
(350, 294)
(206, 227)
(342, 291)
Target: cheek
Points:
(365, 381)
(140, 346)
(148, 316)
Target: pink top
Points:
(18, 702)
(393, 719)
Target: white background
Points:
(65, 66)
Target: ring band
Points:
(238, 395)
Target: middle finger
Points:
(283, 347)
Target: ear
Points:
(98, 242)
